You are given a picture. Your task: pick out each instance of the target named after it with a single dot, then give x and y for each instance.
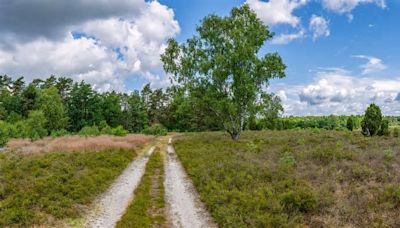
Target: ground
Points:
(299, 177)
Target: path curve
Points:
(184, 205)
(112, 204)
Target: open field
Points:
(293, 178)
(77, 143)
(52, 188)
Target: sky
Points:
(341, 55)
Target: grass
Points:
(295, 178)
(44, 189)
(147, 207)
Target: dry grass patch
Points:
(78, 143)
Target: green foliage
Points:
(35, 125)
(384, 129)
(53, 109)
(119, 131)
(59, 133)
(388, 155)
(83, 106)
(287, 160)
(156, 129)
(57, 185)
(144, 210)
(4, 135)
(372, 121)
(301, 200)
(350, 125)
(89, 131)
(221, 66)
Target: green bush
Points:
(287, 160)
(59, 133)
(35, 125)
(89, 131)
(3, 136)
(107, 130)
(300, 200)
(388, 154)
(372, 121)
(119, 131)
(350, 124)
(156, 129)
(384, 130)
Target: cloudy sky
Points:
(341, 54)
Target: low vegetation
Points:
(147, 208)
(45, 189)
(79, 144)
(295, 178)
(156, 129)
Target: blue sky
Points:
(341, 55)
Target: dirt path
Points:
(184, 206)
(112, 204)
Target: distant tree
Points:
(221, 66)
(111, 108)
(135, 112)
(36, 125)
(350, 124)
(29, 99)
(372, 120)
(83, 107)
(53, 109)
(270, 109)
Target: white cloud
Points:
(373, 64)
(319, 27)
(287, 38)
(347, 6)
(111, 50)
(276, 12)
(336, 91)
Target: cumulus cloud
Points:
(114, 43)
(275, 12)
(347, 6)
(319, 27)
(287, 38)
(373, 64)
(29, 19)
(338, 91)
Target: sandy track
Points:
(184, 205)
(112, 204)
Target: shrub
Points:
(396, 132)
(361, 171)
(384, 130)
(372, 121)
(89, 131)
(287, 160)
(35, 125)
(59, 133)
(119, 131)
(350, 123)
(388, 154)
(156, 129)
(107, 130)
(299, 200)
(3, 136)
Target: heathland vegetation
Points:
(294, 178)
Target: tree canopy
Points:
(221, 66)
